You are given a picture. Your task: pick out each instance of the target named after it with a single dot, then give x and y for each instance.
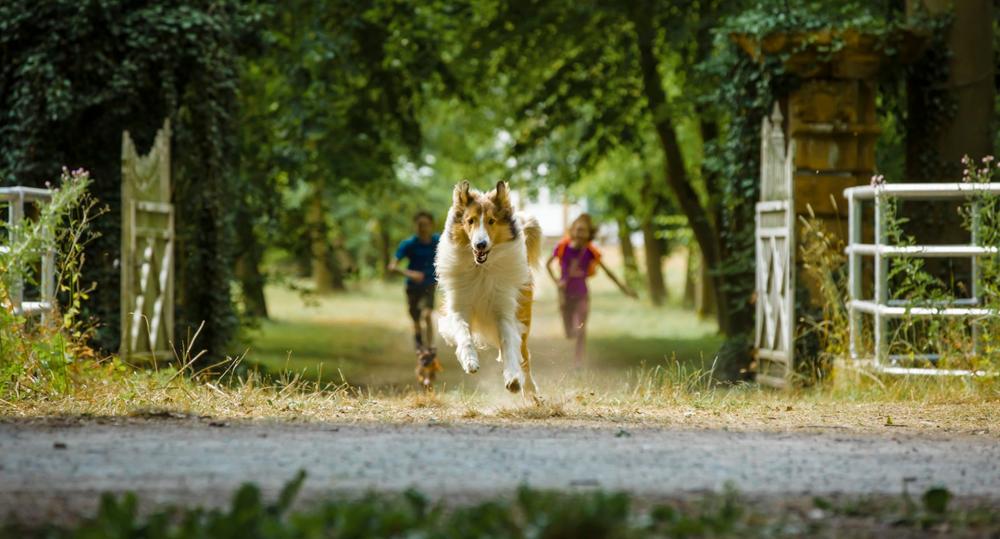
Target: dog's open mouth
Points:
(480, 255)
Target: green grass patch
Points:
(364, 337)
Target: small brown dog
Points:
(427, 367)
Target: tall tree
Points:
(338, 89)
(938, 138)
(604, 73)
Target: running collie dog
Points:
(484, 266)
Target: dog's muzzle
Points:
(480, 255)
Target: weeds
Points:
(43, 357)
(527, 513)
(916, 341)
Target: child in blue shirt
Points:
(421, 284)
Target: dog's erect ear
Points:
(502, 195)
(461, 195)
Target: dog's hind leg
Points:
(530, 386)
(524, 317)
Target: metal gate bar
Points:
(15, 198)
(881, 308)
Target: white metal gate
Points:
(880, 307)
(775, 247)
(15, 198)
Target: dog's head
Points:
(482, 220)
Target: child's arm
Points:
(623, 287)
(548, 267)
(412, 274)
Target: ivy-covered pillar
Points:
(819, 140)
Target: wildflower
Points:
(988, 159)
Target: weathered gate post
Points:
(147, 274)
(819, 140)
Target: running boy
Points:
(421, 282)
(578, 260)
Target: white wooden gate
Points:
(147, 264)
(775, 246)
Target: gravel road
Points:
(51, 471)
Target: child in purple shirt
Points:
(578, 260)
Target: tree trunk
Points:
(654, 261)
(339, 264)
(705, 295)
(385, 249)
(690, 281)
(677, 178)
(628, 250)
(248, 267)
(936, 140)
(936, 151)
(319, 246)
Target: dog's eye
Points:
(472, 220)
(492, 221)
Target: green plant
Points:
(911, 281)
(76, 74)
(39, 356)
(528, 513)
(824, 264)
(742, 90)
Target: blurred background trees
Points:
(308, 132)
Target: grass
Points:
(363, 336)
(651, 398)
(347, 358)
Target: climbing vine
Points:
(74, 75)
(745, 89)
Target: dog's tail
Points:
(532, 238)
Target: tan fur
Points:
(532, 239)
(497, 212)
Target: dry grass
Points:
(653, 398)
(533, 409)
(678, 393)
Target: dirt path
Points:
(54, 471)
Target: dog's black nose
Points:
(481, 246)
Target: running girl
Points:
(578, 260)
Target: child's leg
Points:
(581, 308)
(413, 305)
(566, 309)
(428, 328)
(426, 316)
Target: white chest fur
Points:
(485, 294)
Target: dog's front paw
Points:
(513, 380)
(469, 359)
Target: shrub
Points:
(529, 513)
(912, 281)
(39, 356)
